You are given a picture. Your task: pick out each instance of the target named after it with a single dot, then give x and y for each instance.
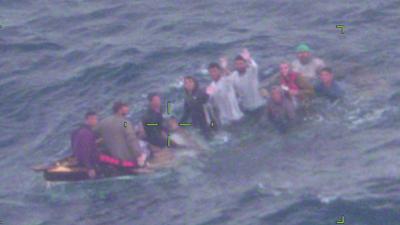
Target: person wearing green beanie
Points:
(303, 48)
(306, 64)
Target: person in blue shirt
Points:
(327, 86)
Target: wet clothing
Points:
(194, 109)
(295, 81)
(83, 144)
(309, 70)
(246, 86)
(154, 134)
(281, 114)
(332, 92)
(119, 138)
(225, 102)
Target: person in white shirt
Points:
(222, 96)
(306, 64)
(245, 81)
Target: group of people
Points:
(231, 96)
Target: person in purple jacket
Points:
(83, 144)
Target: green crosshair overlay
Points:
(340, 220)
(169, 111)
(341, 27)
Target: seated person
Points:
(306, 64)
(327, 87)
(194, 106)
(153, 123)
(295, 85)
(119, 137)
(280, 110)
(83, 144)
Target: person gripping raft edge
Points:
(153, 122)
(119, 137)
(83, 144)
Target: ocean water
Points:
(61, 58)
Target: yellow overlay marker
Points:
(341, 27)
(340, 221)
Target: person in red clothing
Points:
(294, 84)
(83, 144)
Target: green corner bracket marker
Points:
(151, 124)
(169, 108)
(168, 141)
(185, 124)
(341, 27)
(340, 220)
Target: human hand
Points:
(223, 61)
(246, 54)
(294, 92)
(92, 173)
(210, 90)
(142, 160)
(284, 87)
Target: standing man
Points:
(119, 137)
(83, 144)
(306, 64)
(222, 96)
(245, 80)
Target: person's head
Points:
(215, 71)
(190, 83)
(172, 124)
(154, 101)
(303, 53)
(326, 76)
(276, 94)
(284, 68)
(240, 64)
(120, 108)
(91, 118)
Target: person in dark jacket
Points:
(83, 144)
(194, 106)
(327, 87)
(280, 110)
(153, 122)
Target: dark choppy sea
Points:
(60, 58)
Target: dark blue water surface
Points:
(61, 58)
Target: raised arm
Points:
(250, 61)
